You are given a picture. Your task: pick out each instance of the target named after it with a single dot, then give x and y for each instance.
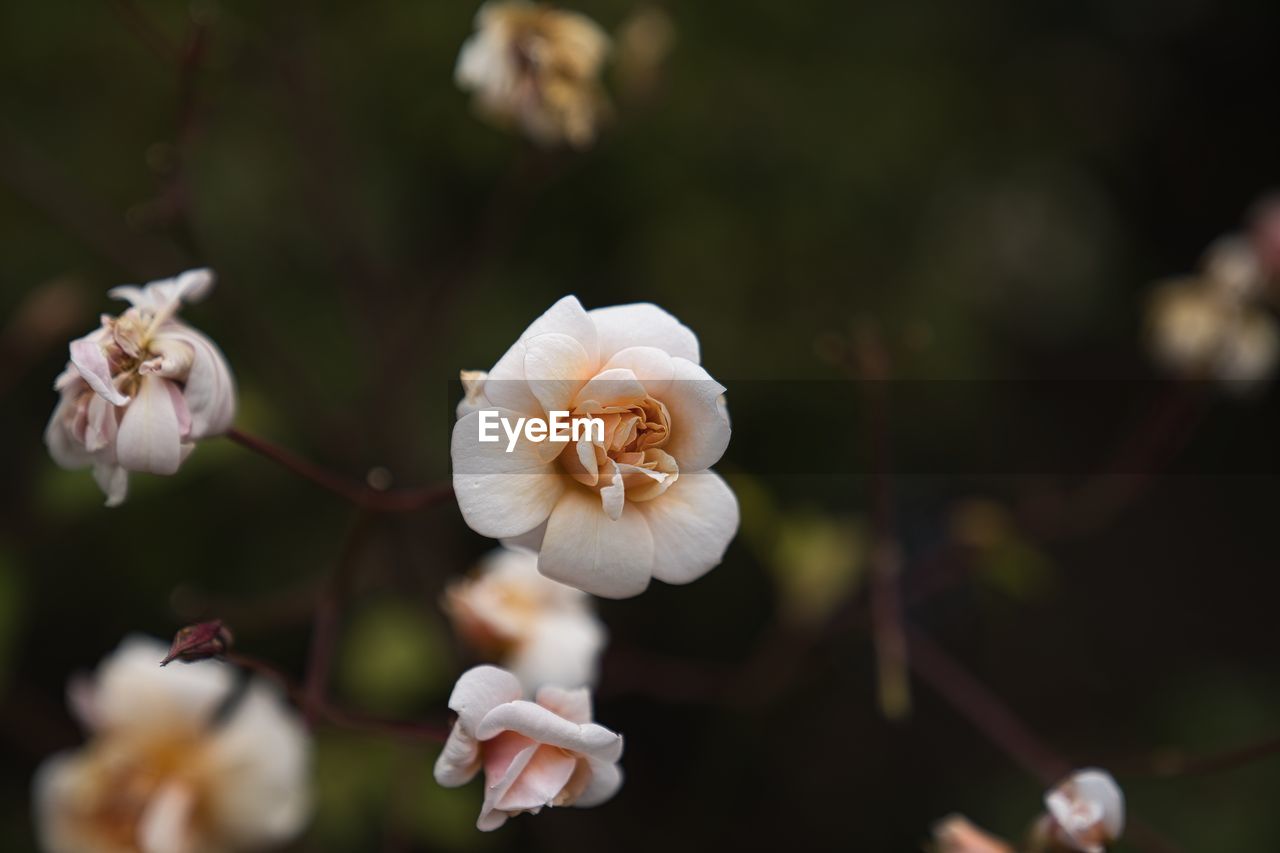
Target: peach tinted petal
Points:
(502, 494)
(643, 324)
(545, 726)
(692, 525)
(541, 781)
(650, 365)
(555, 367)
(573, 705)
(699, 429)
(585, 549)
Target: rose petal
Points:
(210, 389)
(545, 726)
(149, 438)
(479, 691)
(165, 823)
(114, 482)
(616, 386)
(500, 493)
(101, 425)
(699, 429)
(574, 705)
(650, 365)
(555, 366)
(90, 360)
(541, 781)
(643, 324)
(606, 779)
(583, 548)
(692, 525)
(459, 761)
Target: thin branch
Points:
(362, 496)
(342, 717)
(327, 620)
(894, 688)
(1172, 763)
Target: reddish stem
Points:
(364, 497)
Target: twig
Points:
(364, 497)
(894, 688)
(1173, 763)
(341, 717)
(146, 31)
(327, 619)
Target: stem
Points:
(327, 620)
(341, 717)
(362, 496)
(984, 709)
(888, 636)
(1174, 763)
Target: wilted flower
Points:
(534, 754)
(538, 68)
(1086, 811)
(1212, 326)
(605, 515)
(543, 631)
(179, 761)
(141, 389)
(956, 834)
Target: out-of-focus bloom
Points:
(533, 754)
(1213, 326)
(955, 834)
(176, 763)
(536, 67)
(605, 515)
(543, 631)
(141, 389)
(1086, 811)
(644, 41)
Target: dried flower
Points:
(536, 67)
(543, 631)
(199, 642)
(1086, 810)
(142, 389)
(180, 760)
(606, 512)
(534, 754)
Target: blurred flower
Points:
(140, 390)
(1213, 326)
(956, 834)
(543, 631)
(534, 754)
(1086, 811)
(644, 41)
(178, 762)
(538, 68)
(606, 516)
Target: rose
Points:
(141, 389)
(606, 516)
(534, 754)
(170, 768)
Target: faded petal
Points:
(90, 360)
(210, 390)
(63, 446)
(585, 549)
(150, 436)
(692, 524)
(459, 761)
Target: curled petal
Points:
(545, 726)
(150, 432)
(604, 782)
(574, 705)
(100, 426)
(90, 360)
(555, 366)
(479, 691)
(210, 390)
(113, 480)
(650, 365)
(459, 761)
(700, 429)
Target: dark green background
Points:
(992, 185)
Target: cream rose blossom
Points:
(541, 630)
(140, 390)
(538, 68)
(607, 515)
(956, 834)
(534, 755)
(174, 765)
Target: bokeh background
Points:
(988, 188)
